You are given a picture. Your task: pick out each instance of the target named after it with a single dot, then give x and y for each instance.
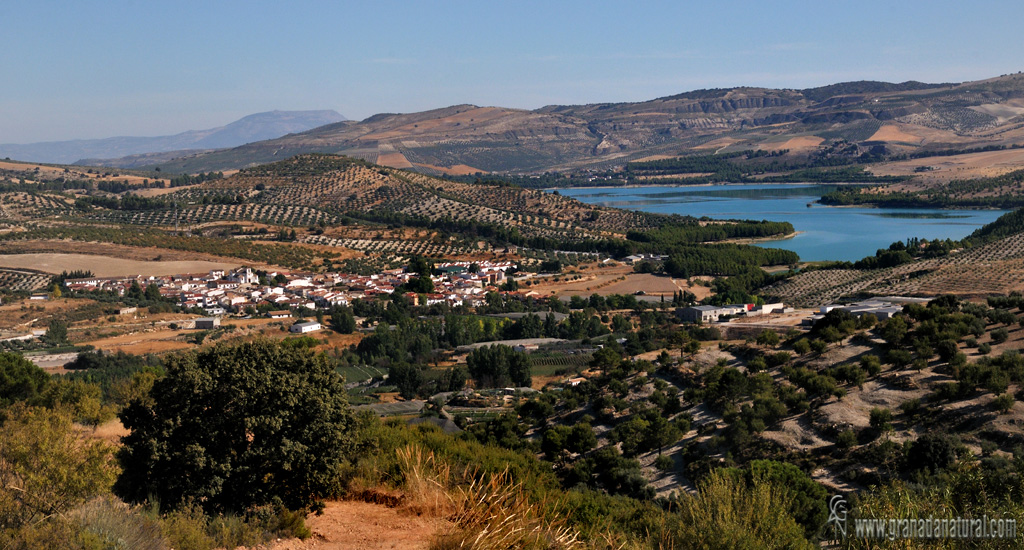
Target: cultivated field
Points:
(955, 167)
(106, 266)
(394, 160)
(890, 132)
(19, 279)
(143, 254)
(994, 268)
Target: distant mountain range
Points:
(256, 127)
(901, 118)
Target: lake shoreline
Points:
(769, 239)
(688, 185)
(821, 232)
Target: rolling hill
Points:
(256, 127)
(909, 117)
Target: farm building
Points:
(637, 258)
(303, 328)
(707, 314)
(206, 323)
(279, 314)
(882, 308)
(768, 309)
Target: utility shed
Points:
(206, 323)
(308, 326)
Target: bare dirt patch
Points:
(854, 410)
(105, 266)
(351, 525)
(538, 382)
(617, 280)
(796, 433)
(800, 143)
(654, 157)
(891, 132)
(336, 340)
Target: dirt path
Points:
(352, 525)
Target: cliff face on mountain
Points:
(464, 138)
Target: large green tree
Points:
(234, 427)
(20, 379)
(498, 366)
(343, 321)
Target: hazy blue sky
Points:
(98, 69)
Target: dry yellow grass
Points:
(76, 173)
(111, 432)
(944, 169)
(891, 132)
(469, 117)
(487, 512)
(454, 170)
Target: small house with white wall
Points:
(306, 327)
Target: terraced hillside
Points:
(993, 268)
(318, 209)
(904, 118)
(310, 189)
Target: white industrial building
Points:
(303, 328)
